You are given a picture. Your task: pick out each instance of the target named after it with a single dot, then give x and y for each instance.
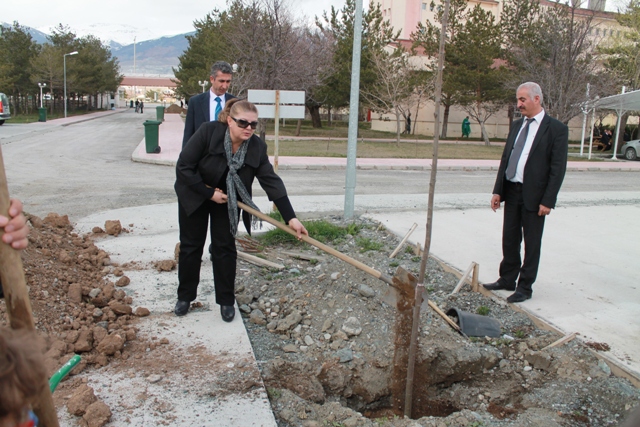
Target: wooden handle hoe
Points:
(16, 298)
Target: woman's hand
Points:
(219, 196)
(298, 227)
(15, 228)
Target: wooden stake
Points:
(474, 280)
(16, 297)
(259, 261)
(561, 341)
(464, 278)
(404, 240)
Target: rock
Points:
(120, 308)
(75, 293)
(328, 323)
(84, 342)
(352, 326)
(142, 312)
(94, 292)
(97, 230)
(345, 355)
(539, 360)
(99, 333)
(166, 265)
(80, 400)
(257, 317)
(112, 227)
(335, 276)
(57, 221)
(123, 281)
(290, 348)
(245, 308)
(244, 299)
(110, 344)
(294, 271)
(98, 414)
(289, 322)
(366, 291)
(308, 340)
(154, 378)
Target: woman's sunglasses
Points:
(243, 124)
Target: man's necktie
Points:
(218, 107)
(517, 151)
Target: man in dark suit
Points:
(531, 171)
(206, 106)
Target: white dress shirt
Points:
(213, 104)
(533, 130)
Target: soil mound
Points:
(175, 109)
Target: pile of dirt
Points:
(77, 303)
(325, 335)
(175, 109)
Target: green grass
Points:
(519, 333)
(394, 264)
(367, 244)
(483, 310)
(321, 230)
(33, 117)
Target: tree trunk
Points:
(329, 120)
(445, 121)
(485, 137)
(397, 128)
(314, 112)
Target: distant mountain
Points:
(155, 57)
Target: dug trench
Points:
(324, 335)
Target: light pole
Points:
(41, 85)
(203, 84)
(64, 63)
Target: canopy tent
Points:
(621, 104)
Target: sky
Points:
(122, 20)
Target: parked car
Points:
(5, 112)
(630, 149)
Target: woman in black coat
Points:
(216, 168)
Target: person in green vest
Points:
(466, 127)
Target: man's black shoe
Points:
(497, 286)
(227, 312)
(518, 297)
(181, 308)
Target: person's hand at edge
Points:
(495, 202)
(543, 210)
(296, 225)
(15, 229)
(219, 196)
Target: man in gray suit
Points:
(531, 171)
(206, 106)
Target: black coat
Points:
(203, 162)
(545, 167)
(198, 113)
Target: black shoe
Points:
(181, 308)
(518, 297)
(227, 312)
(497, 286)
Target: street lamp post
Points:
(41, 85)
(203, 84)
(64, 63)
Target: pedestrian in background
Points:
(466, 127)
(137, 105)
(531, 172)
(215, 170)
(141, 107)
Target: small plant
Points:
(519, 333)
(483, 310)
(408, 250)
(416, 259)
(430, 288)
(274, 393)
(367, 244)
(353, 229)
(394, 264)
(313, 261)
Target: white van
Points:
(5, 112)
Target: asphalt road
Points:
(84, 168)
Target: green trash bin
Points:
(151, 133)
(160, 113)
(42, 114)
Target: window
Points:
(424, 6)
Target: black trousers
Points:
(519, 222)
(193, 235)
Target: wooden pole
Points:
(404, 240)
(16, 298)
